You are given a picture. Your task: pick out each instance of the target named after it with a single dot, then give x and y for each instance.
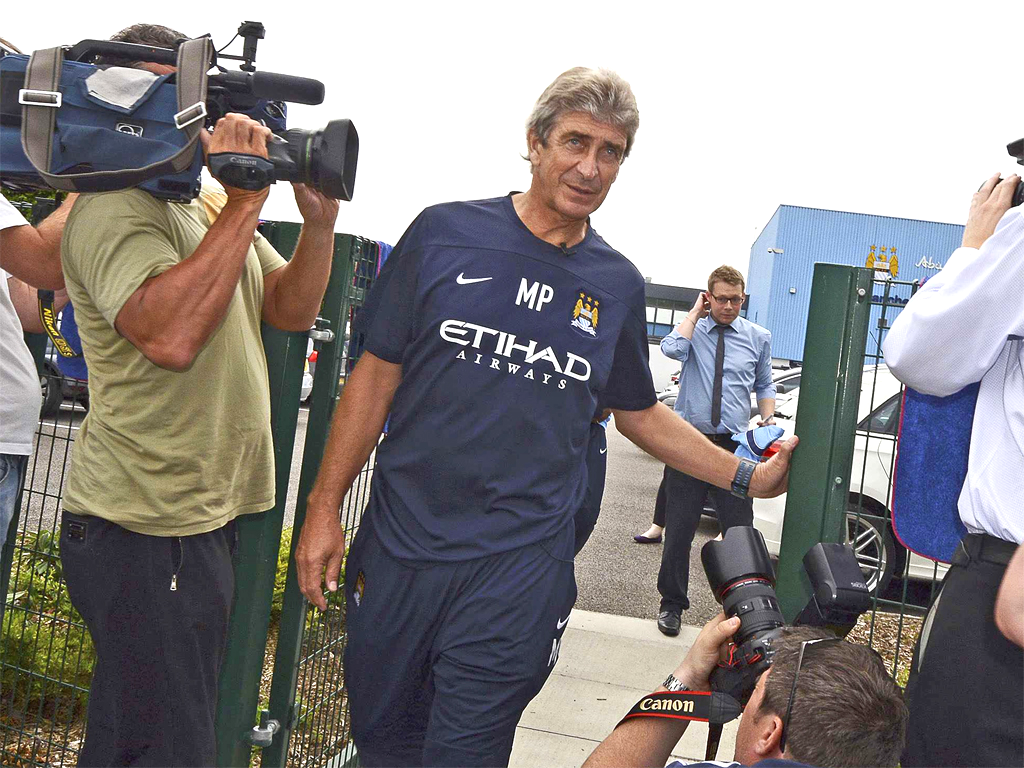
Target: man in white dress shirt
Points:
(966, 325)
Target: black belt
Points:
(981, 547)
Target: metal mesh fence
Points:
(903, 583)
(317, 726)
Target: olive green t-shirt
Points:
(164, 453)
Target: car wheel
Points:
(874, 548)
(51, 383)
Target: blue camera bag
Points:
(88, 129)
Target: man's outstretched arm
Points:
(358, 421)
(670, 439)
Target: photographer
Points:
(823, 702)
(177, 441)
(965, 325)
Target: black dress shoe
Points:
(668, 623)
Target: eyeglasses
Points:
(796, 676)
(736, 301)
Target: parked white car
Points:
(878, 551)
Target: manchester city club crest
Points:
(585, 313)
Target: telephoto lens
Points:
(743, 581)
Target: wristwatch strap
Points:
(741, 482)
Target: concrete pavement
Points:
(605, 665)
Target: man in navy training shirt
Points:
(724, 358)
(494, 333)
(844, 710)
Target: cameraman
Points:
(177, 441)
(844, 711)
(964, 691)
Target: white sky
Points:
(900, 109)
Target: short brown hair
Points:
(156, 35)
(726, 274)
(847, 710)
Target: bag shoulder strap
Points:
(39, 119)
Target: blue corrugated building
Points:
(782, 262)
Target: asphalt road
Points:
(614, 574)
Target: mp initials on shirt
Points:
(534, 292)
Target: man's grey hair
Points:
(601, 93)
(155, 35)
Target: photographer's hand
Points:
(987, 207)
(710, 647)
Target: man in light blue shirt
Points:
(724, 358)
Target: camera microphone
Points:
(566, 250)
(272, 86)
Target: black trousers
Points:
(966, 686)
(159, 650)
(684, 504)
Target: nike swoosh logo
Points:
(463, 280)
(604, 451)
(561, 623)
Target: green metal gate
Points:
(840, 489)
(46, 656)
(307, 697)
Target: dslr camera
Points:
(98, 128)
(743, 581)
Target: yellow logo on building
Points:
(883, 259)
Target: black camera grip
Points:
(250, 172)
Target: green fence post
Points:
(819, 483)
(325, 391)
(259, 537)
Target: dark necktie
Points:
(716, 392)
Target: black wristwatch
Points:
(741, 482)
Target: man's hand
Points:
(765, 421)
(240, 135)
(321, 548)
(710, 647)
(317, 210)
(701, 307)
(987, 207)
(771, 478)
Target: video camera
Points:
(99, 139)
(743, 581)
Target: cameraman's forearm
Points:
(294, 292)
(172, 316)
(641, 742)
